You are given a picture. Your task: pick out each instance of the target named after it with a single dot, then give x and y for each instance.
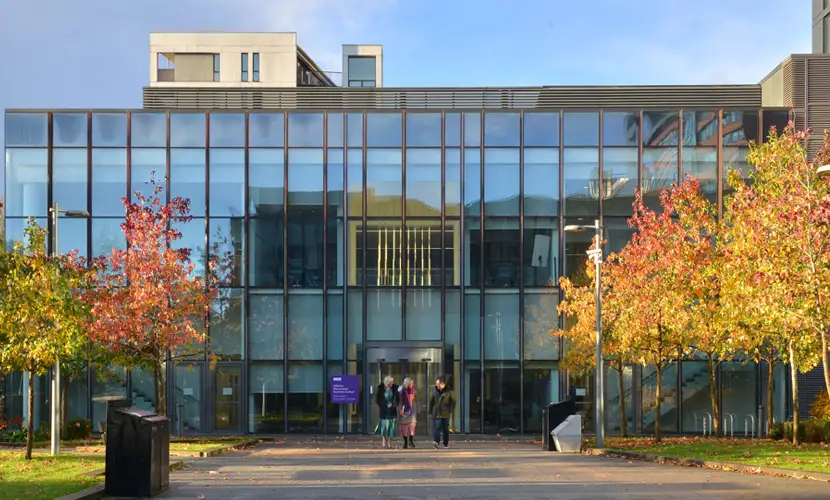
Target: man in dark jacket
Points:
(442, 406)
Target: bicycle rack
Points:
(747, 429)
(707, 417)
(731, 425)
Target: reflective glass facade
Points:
(371, 243)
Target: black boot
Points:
(405, 443)
(411, 442)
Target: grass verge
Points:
(754, 452)
(45, 477)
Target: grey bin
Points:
(568, 435)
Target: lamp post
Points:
(54, 214)
(599, 389)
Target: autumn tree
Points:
(149, 307)
(780, 250)
(42, 318)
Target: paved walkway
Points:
(481, 471)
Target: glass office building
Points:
(407, 242)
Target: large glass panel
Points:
(27, 182)
(335, 242)
(227, 182)
(148, 130)
(305, 397)
(266, 130)
(700, 128)
(739, 127)
(384, 186)
(541, 129)
(502, 397)
(69, 129)
(472, 326)
(501, 326)
(145, 165)
(72, 236)
(501, 252)
(305, 130)
(472, 181)
(266, 403)
(108, 383)
(581, 129)
(26, 130)
(422, 247)
(661, 128)
(452, 182)
(472, 129)
(265, 328)
(354, 178)
(227, 130)
(226, 320)
(702, 163)
(613, 413)
(423, 129)
(305, 218)
(423, 182)
(109, 182)
(266, 238)
(77, 394)
(620, 128)
(188, 396)
(541, 181)
(576, 244)
(619, 180)
(383, 315)
(541, 387)
(452, 325)
(694, 392)
(193, 239)
(617, 233)
(15, 230)
(226, 239)
(501, 129)
(452, 129)
(187, 130)
(777, 118)
(334, 327)
(305, 326)
(540, 318)
(187, 178)
(668, 407)
(581, 181)
(472, 253)
(266, 181)
(334, 130)
(735, 159)
(739, 388)
(142, 389)
(501, 182)
(109, 129)
(354, 324)
(472, 397)
(69, 179)
(354, 130)
(227, 398)
(659, 172)
(334, 183)
(384, 130)
(107, 235)
(541, 252)
(423, 314)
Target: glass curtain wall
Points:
(342, 229)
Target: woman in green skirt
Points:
(387, 398)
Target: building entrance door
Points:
(422, 365)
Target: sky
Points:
(94, 53)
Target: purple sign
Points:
(345, 389)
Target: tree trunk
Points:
(659, 397)
(158, 377)
(713, 397)
(794, 377)
(771, 392)
(30, 422)
(824, 361)
(623, 417)
(64, 390)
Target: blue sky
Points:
(94, 53)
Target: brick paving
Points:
(475, 470)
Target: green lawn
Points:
(206, 444)
(758, 452)
(45, 477)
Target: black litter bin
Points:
(553, 415)
(138, 451)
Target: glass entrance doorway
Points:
(423, 365)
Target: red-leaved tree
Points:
(149, 307)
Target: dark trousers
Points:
(442, 426)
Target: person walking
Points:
(442, 406)
(407, 412)
(387, 398)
